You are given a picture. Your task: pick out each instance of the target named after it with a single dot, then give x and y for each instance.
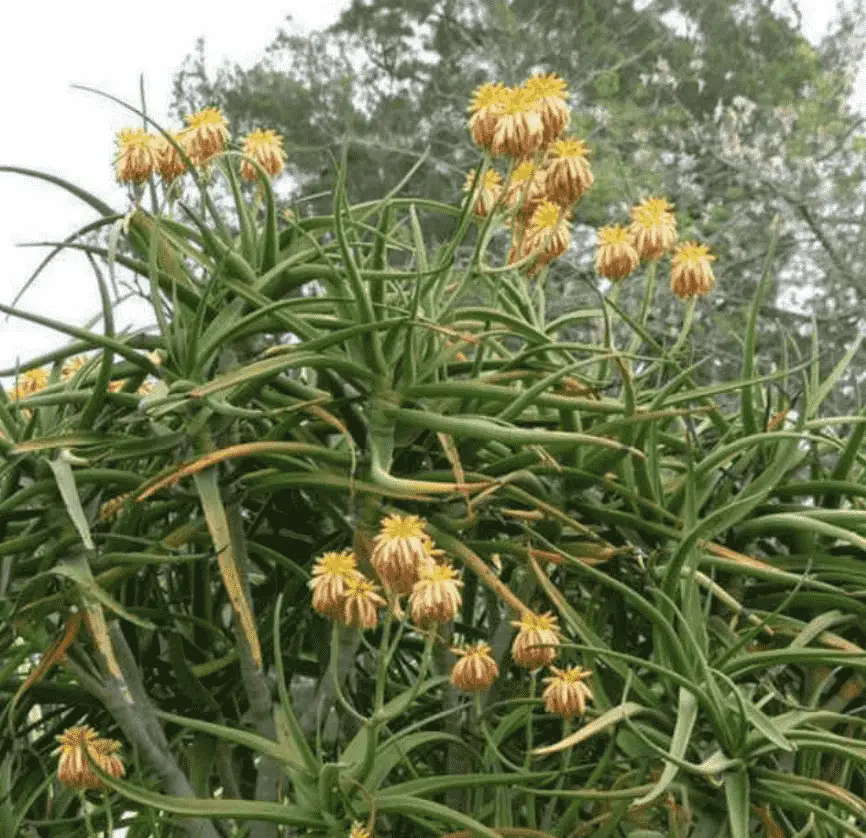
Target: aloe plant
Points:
(700, 543)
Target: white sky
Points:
(46, 47)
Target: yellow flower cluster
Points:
(405, 560)
(536, 641)
(32, 381)
(76, 745)
(28, 383)
(651, 235)
(549, 175)
(71, 366)
(266, 148)
(535, 645)
(401, 550)
(435, 596)
(518, 121)
(615, 256)
(141, 155)
(341, 592)
(691, 272)
(488, 193)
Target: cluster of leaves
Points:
(701, 545)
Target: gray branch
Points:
(140, 726)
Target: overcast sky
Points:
(44, 48)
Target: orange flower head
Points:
(484, 110)
(104, 754)
(536, 641)
(400, 550)
(519, 130)
(28, 383)
(76, 745)
(653, 228)
(475, 671)
(566, 694)
(136, 158)
(615, 257)
(551, 94)
(526, 189)
(266, 148)
(691, 271)
(435, 596)
(489, 191)
(361, 603)
(169, 162)
(72, 768)
(548, 234)
(331, 572)
(207, 134)
(569, 176)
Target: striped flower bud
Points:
(615, 257)
(691, 270)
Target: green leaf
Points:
(480, 428)
(78, 571)
(270, 245)
(818, 394)
(71, 500)
(732, 513)
(763, 723)
(804, 523)
(737, 798)
(248, 232)
(354, 750)
(409, 806)
(100, 206)
(603, 722)
(238, 737)
(435, 785)
(750, 425)
(232, 574)
(397, 750)
(271, 367)
(189, 807)
(92, 339)
(687, 714)
(300, 747)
